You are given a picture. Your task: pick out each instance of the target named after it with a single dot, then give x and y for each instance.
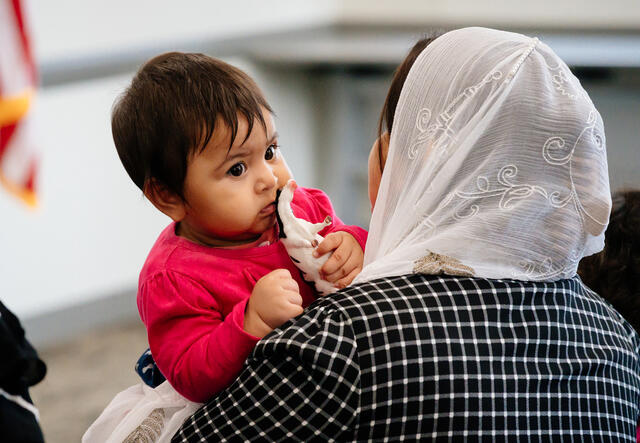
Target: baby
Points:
(197, 136)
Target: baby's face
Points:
(230, 194)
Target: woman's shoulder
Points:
(436, 296)
(456, 285)
(418, 285)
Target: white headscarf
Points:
(497, 165)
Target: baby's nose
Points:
(268, 179)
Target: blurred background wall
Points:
(72, 264)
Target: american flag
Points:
(18, 79)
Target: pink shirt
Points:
(192, 300)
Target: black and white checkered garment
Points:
(437, 358)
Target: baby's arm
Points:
(198, 348)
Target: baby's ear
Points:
(167, 201)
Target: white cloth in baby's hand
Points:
(300, 238)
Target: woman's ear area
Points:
(377, 160)
(165, 200)
(384, 149)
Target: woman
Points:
(467, 321)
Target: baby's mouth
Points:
(269, 209)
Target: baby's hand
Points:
(274, 300)
(345, 261)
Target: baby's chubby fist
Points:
(274, 300)
(345, 261)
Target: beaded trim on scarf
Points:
(436, 264)
(149, 430)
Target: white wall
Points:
(539, 14)
(68, 29)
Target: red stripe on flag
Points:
(30, 184)
(24, 38)
(6, 132)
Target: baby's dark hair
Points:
(614, 273)
(170, 111)
(400, 75)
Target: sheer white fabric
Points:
(497, 165)
(141, 414)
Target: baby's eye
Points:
(271, 152)
(237, 170)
